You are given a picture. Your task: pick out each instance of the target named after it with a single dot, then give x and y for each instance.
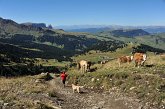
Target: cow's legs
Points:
(142, 63)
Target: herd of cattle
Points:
(138, 58)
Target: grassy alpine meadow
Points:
(51, 62)
(96, 55)
(147, 83)
(100, 53)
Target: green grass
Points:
(146, 83)
(51, 62)
(147, 39)
(95, 57)
(151, 40)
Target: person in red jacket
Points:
(63, 77)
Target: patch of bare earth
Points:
(92, 99)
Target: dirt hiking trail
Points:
(91, 99)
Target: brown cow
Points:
(125, 59)
(139, 59)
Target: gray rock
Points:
(6, 104)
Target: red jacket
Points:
(63, 76)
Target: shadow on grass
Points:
(149, 65)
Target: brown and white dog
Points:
(76, 87)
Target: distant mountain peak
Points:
(6, 21)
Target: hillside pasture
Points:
(147, 83)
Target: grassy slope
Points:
(146, 83)
(95, 57)
(147, 39)
(151, 41)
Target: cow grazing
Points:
(124, 59)
(84, 66)
(139, 59)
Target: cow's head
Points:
(144, 57)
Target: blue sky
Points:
(82, 12)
